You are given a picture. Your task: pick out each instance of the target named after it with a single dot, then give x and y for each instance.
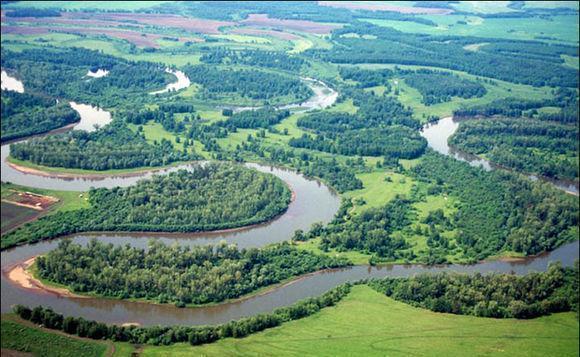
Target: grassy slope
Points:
(24, 338)
(562, 28)
(366, 323)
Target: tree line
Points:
(195, 335)
(520, 215)
(491, 295)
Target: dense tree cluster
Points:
(370, 232)
(519, 214)
(393, 141)
(340, 176)
(507, 107)
(527, 145)
(268, 59)
(492, 295)
(113, 146)
(25, 114)
(367, 78)
(253, 84)
(33, 12)
(365, 134)
(210, 197)
(392, 46)
(438, 86)
(253, 119)
(180, 275)
(61, 73)
(195, 335)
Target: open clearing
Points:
(366, 323)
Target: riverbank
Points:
(25, 276)
(27, 167)
(22, 275)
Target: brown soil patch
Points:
(298, 25)
(21, 276)
(162, 20)
(31, 200)
(257, 32)
(21, 30)
(385, 7)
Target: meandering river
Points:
(314, 202)
(438, 134)
(182, 82)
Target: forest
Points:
(267, 59)
(252, 84)
(25, 114)
(393, 141)
(392, 46)
(525, 145)
(60, 73)
(211, 196)
(438, 86)
(179, 275)
(113, 146)
(370, 231)
(490, 295)
(253, 119)
(520, 215)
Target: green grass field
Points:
(562, 28)
(380, 187)
(366, 323)
(25, 338)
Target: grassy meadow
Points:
(367, 323)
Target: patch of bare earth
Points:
(135, 37)
(31, 200)
(265, 33)
(298, 25)
(162, 20)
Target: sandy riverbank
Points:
(21, 276)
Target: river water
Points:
(10, 83)
(314, 202)
(438, 134)
(323, 97)
(182, 82)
